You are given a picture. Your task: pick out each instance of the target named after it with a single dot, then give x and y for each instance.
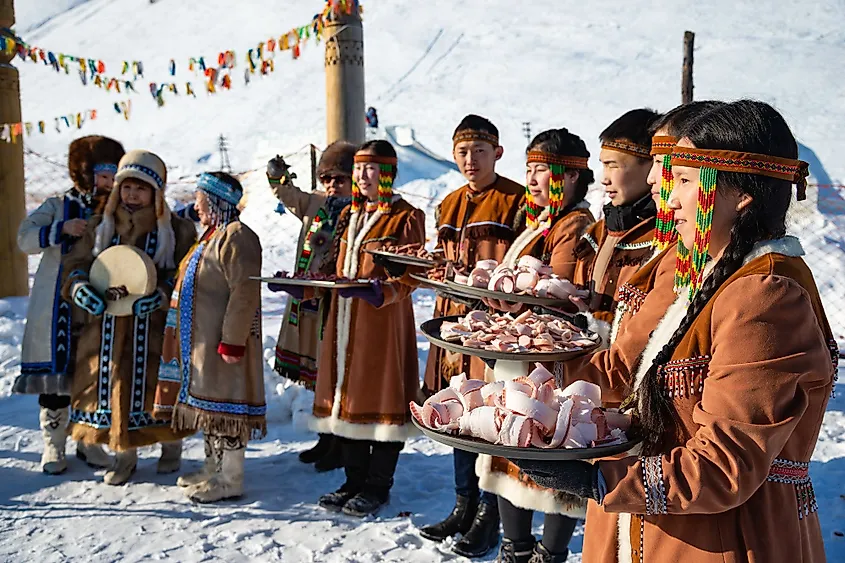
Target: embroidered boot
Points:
(517, 552)
(229, 482)
(543, 555)
(171, 457)
(94, 455)
(213, 462)
(124, 466)
(54, 429)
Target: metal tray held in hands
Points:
(431, 330)
(479, 446)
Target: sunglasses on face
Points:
(327, 178)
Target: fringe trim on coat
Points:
(448, 234)
(526, 497)
(186, 418)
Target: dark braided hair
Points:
(744, 125)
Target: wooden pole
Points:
(14, 281)
(345, 109)
(313, 168)
(686, 77)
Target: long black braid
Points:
(748, 126)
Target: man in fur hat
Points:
(51, 230)
(299, 337)
(117, 357)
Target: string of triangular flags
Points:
(12, 132)
(259, 60)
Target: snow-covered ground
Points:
(552, 63)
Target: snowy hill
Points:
(549, 62)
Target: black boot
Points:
(335, 501)
(364, 504)
(542, 555)
(318, 451)
(356, 458)
(332, 458)
(516, 552)
(459, 521)
(483, 535)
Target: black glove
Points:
(277, 169)
(393, 269)
(573, 476)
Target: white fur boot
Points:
(229, 482)
(123, 467)
(213, 462)
(94, 455)
(171, 457)
(54, 429)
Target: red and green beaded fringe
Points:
(385, 186)
(556, 182)
(664, 232)
(690, 268)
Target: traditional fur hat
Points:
(337, 159)
(149, 168)
(87, 152)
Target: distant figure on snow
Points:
(372, 118)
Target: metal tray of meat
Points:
(479, 446)
(405, 259)
(479, 292)
(433, 284)
(431, 330)
(323, 284)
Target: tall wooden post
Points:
(13, 264)
(345, 108)
(313, 167)
(686, 77)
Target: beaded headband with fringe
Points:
(664, 230)
(640, 151)
(475, 135)
(387, 172)
(690, 269)
(557, 167)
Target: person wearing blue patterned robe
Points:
(117, 358)
(51, 230)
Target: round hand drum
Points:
(123, 265)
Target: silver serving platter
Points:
(431, 330)
(481, 292)
(404, 259)
(479, 446)
(324, 284)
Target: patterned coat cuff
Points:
(231, 350)
(655, 488)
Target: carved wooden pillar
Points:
(345, 106)
(14, 276)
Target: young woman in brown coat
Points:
(732, 386)
(557, 177)
(368, 370)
